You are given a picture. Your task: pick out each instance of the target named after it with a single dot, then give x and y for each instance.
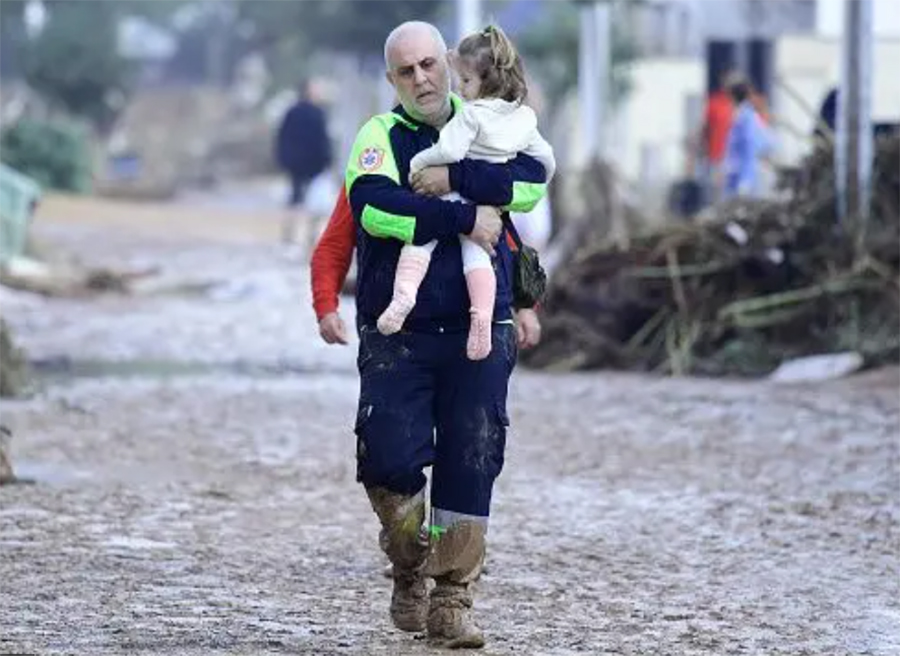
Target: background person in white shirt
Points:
(494, 126)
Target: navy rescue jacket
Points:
(389, 214)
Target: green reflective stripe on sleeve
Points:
(372, 153)
(526, 195)
(384, 224)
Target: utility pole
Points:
(853, 139)
(468, 17)
(221, 17)
(593, 73)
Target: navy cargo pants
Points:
(423, 402)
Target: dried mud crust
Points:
(219, 513)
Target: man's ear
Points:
(390, 78)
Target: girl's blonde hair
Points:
(493, 57)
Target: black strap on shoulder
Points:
(510, 226)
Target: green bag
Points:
(529, 277)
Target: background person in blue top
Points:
(748, 142)
(422, 401)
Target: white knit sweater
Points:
(488, 129)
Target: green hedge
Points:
(55, 154)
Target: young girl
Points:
(494, 126)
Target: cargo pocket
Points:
(511, 349)
(365, 352)
(502, 415)
(496, 456)
(363, 416)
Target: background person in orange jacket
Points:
(714, 136)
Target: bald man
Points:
(422, 401)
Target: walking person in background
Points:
(718, 119)
(827, 123)
(714, 136)
(303, 151)
(748, 142)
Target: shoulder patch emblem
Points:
(370, 159)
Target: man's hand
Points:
(431, 181)
(487, 228)
(332, 329)
(528, 328)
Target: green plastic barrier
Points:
(18, 193)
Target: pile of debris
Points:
(759, 283)
(7, 475)
(30, 275)
(13, 364)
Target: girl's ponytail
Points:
(502, 50)
(493, 57)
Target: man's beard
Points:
(436, 117)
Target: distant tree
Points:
(209, 44)
(360, 26)
(290, 34)
(158, 12)
(85, 75)
(12, 36)
(74, 62)
(550, 50)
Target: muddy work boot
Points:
(455, 562)
(401, 520)
(388, 571)
(409, 601)
(450, 623)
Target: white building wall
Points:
(810, 67)
(682, 27)
(885, 18)
(656, 114)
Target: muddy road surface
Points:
(194, 491)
